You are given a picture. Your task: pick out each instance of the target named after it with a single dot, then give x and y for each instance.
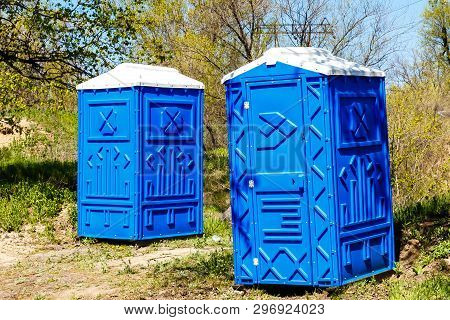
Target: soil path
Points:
(145, 260)
(32, 270)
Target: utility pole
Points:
(301, 33)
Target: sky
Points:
(409, 13)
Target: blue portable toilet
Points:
(140, 154)
(309, 170)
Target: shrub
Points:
(419, 141)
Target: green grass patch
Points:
(214, 225)
(434, 288)
(439, 251)
(26, 202)
(60, 174)
(219, 263)
(38, 171)
(434, 253)
(199, 272)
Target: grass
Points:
(434, 254)
(214, 225)
(27, 202)
(434, 288)
(38, 172)
(431, 229)
(439, 251)
(219, 264)
(127, 269)
(198, 276)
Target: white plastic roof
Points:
(313, 59)
(133, 74)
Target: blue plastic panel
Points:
(291, 134)
(362, 168)
(140, 163)
(172, 162)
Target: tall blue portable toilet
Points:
(309, 170)
(140, 154)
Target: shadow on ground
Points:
(61, 174)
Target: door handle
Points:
(301, 183)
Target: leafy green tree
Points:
(204, 39)
(57, 40)
(436, 28)
(419, 141)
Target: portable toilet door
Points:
(309, 169)
(140, 154)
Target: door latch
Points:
(246, 105)
(251, 184)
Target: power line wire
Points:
(405, 6)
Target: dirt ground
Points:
(8, 134)
(30, 269)
(34, 269)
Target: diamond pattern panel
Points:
(108, 121)
(168, 120)
(172, 122)
(359, 122)
(283, 267)
(242, 218)
(319, 164)
(108, 126)
(276, 130)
